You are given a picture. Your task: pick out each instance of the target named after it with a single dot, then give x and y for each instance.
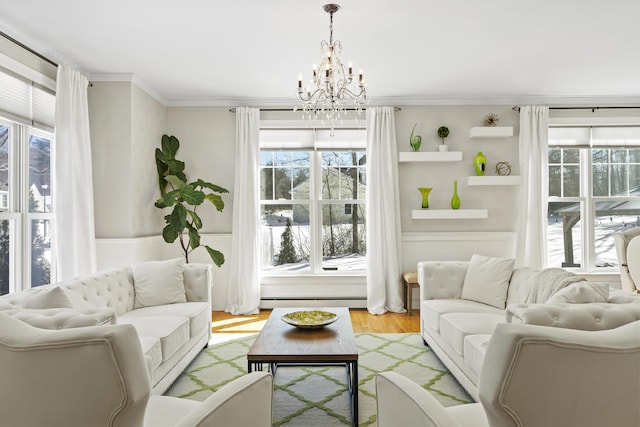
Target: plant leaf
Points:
(194, 237)
(197, 222)
(170, 145)
(212, 187)
(192, 197)
(169, 234)
(216, 200)
(175, 181)
(216, 256)
(178, 217)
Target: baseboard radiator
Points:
(277, 302)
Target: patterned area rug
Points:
(318, 396)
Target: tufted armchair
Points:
(534, 376)
(622, 241)
(97, 376)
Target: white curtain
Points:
(533, 145)
(384, 287)
(74, 239)
(243, 296)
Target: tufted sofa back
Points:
(105, 289)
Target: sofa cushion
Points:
(54, 297)
(173, 331)
(454, 327)
(151, 347)
(198, 313)
(475, 347)
(522, 281)
(158, 283)
(487, 280)
(581, 293)
(434, 308)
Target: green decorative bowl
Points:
(310, 319)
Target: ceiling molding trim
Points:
(419, 101)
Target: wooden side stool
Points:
(409, 279)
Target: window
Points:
(594, 192)
(26, 211)
(312, 197)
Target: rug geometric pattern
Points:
(318, 396)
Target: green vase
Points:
(425, 196)
(455, 200)
(415, 141)
(480, 163)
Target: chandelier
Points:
(333, 89)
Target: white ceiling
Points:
(250, 52)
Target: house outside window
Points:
(594, 192)
(312, 198)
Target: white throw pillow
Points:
(158, 283)
(581, 293)
(55, 297)
(487, 280)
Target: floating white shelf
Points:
(449, 214)
(491, 132)
(494, 180)
(430, 156)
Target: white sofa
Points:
(167, 302)
(458, 327)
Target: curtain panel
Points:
(243, 296)
(74, 238)
(533, 150)
(384, 287)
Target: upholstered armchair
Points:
(97, 376)
(622, 241)
(534, 376)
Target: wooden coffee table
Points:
(281, 344)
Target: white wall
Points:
(126, 127)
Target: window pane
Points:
(343, 238)
(619, 180)
(634, 156)
(285, 237)
(619, 156)
(634, 180)
(555, 181)
(4, 168)
(600, 155)
(600, 180)
(555, 155)
(5, 247)
(343, 175)
(563, 234)
(284, 175)
(610, 218)
(40, 252)
(39, 174)
(571, 155)
(571, 181)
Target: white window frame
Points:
(18, 213)
(302, 139)
(586, 198)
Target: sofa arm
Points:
(198, 281)
(587, 317)
(64, 318)
(441, 279)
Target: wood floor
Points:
(360, 318)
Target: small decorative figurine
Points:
(415, 141)
(503, 168)
(443, 132)
(491, 120)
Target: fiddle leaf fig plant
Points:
(183, 222)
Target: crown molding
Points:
(128, 78)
